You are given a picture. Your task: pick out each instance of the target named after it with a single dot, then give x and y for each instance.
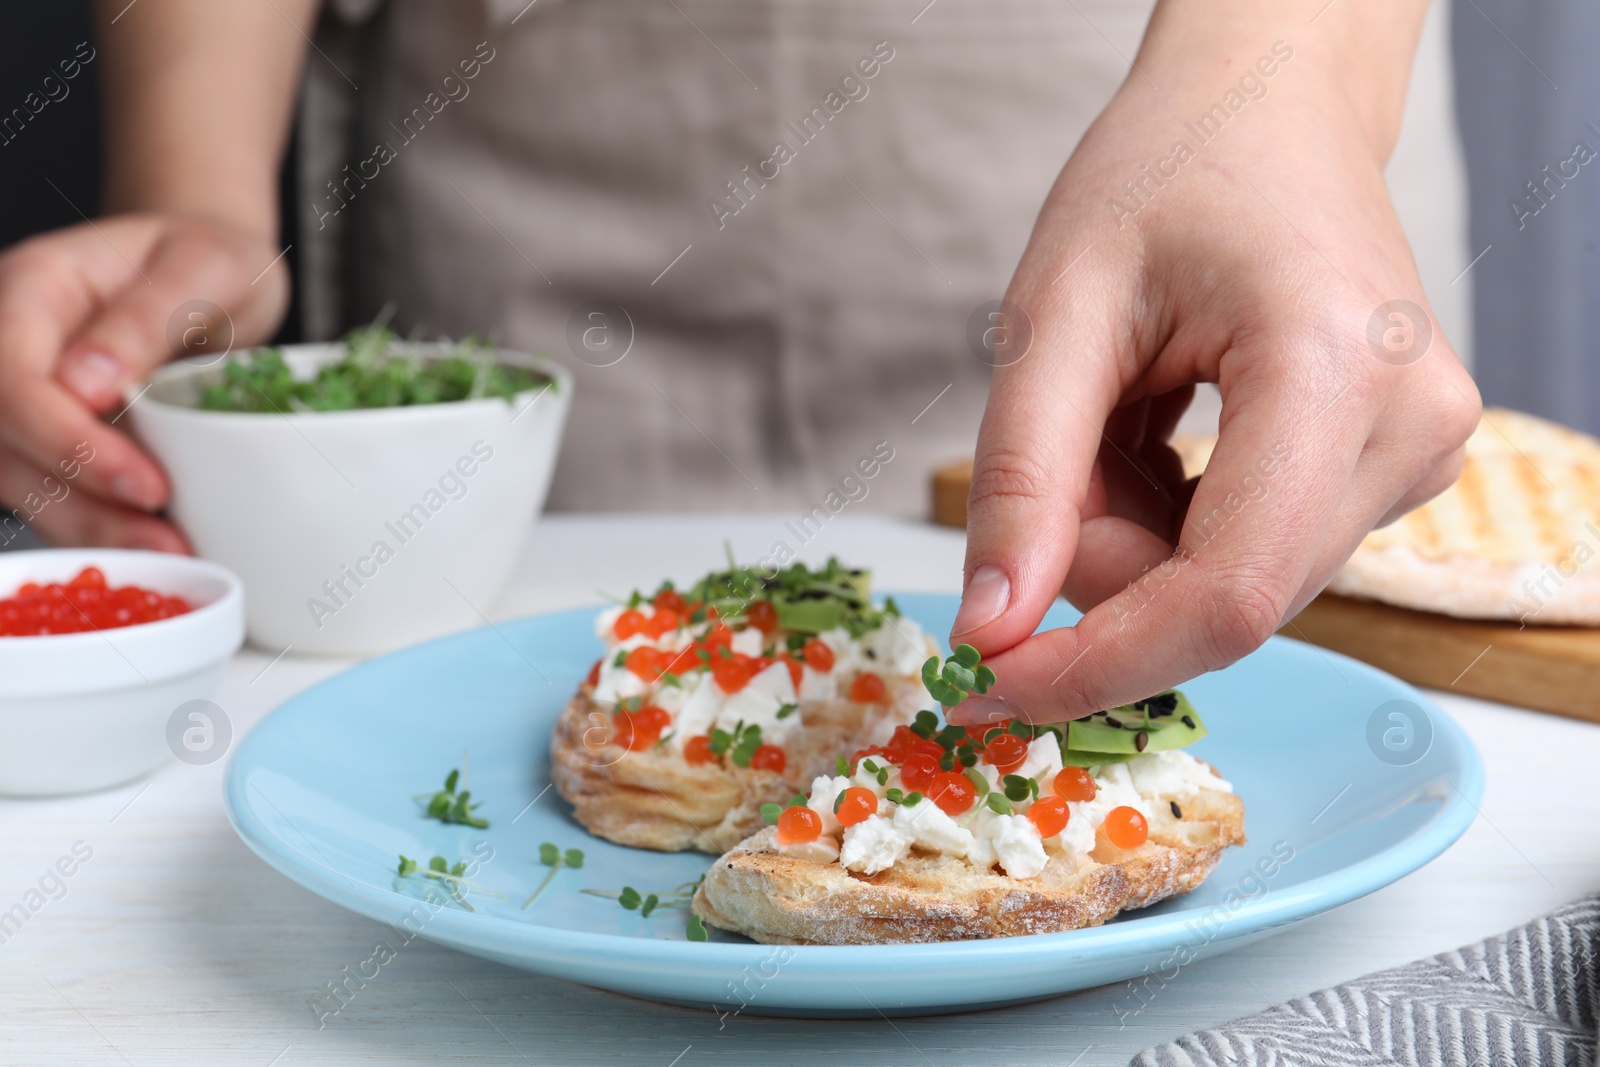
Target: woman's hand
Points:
(86, 311)
(1264, 256)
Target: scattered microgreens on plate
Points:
(441, 870)
(551, 856)
(646, 903)
(448, 806)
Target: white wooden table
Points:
(173, 944)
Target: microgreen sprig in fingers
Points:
(551, 856)
(961, 675)
(448, 806)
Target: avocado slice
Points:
(809, 616)
(1161, 732)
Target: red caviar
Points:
(768, 758)
(858, 803)
(868, 688)
(647, 662)
(663, 622)
(732, 672)
(1126, 828)
(671, 600)
(763, 616)
(797, 825)
(818, 656)
(952, 791)
(918, 771)
(630, 622)
(638, 730)
(84, 603)
(1049, 815)
(697, 750)
(1006, 752)
(1074, 783)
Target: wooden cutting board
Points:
(1548, 668)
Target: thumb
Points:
(175, 304)
(1041, 431)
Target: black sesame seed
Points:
(1140, 740)
(1177, 812)
(1114, 722)
(1188, 721)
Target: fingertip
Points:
(156, 536)
(984, 600)
(93, 375)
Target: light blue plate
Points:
(1351, 779)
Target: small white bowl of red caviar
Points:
(98, 649)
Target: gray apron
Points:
(756, 230)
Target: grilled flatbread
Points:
(1517, 537)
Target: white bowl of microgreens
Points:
(371, 493)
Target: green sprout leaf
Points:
(770, 812)
(697, 929)
(450, 807)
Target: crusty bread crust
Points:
(653, 799)
(774, 898)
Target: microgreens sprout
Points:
(551, 856)
(770, 812)
(1018, 788)
(448, 806)
(370, 375)
(959, 677)
(647, 904)
(441, 870)
(740, 743)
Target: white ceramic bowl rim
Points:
(326, 352)
(97, 659)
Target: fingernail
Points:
(980, 711)
(94, 376)
(125, 487)
(984, 600)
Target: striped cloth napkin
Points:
(1528, 996)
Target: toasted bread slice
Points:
(1516, 537)
(759, 891)
(654, 799)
